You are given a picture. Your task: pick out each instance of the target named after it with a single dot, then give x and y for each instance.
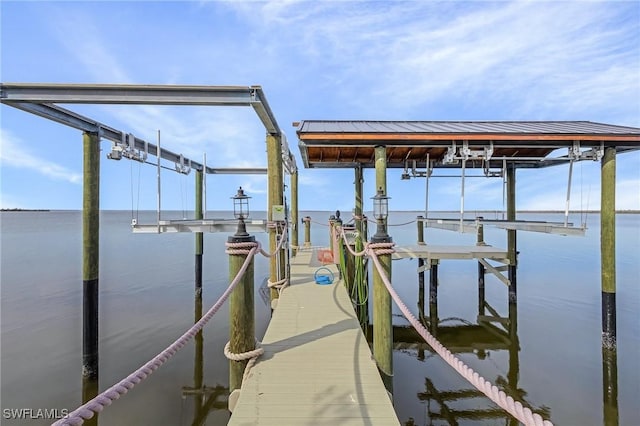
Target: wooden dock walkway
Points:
(317, 368)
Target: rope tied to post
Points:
(240, 248)
(278, 285)
(380, 248)
(252, 356)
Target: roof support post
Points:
(358, 205)
(608, 247)
(382, 326)
(608, 280)
(274, 165)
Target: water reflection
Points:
(610, 386)
(90, 391)
(205, 398)
(490, 333)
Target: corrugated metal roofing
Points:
(335, 143)
(477, 127)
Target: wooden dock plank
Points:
(317, 368)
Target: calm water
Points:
(147, 300)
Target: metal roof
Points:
(525, 144)
(479, 127)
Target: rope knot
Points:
(240, 248)
(278, 284)
(251, 356)
(381, 248)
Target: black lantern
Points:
(241, 204)
(380, 213)
(240, 212)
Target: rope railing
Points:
(507, 403)
(499, 397)
(106, 398)
(392, 224)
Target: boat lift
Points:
(462, 154)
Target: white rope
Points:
(504, 401)
(252, 356)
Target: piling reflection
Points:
(90, 391)
(205, 398)
(489, 334)
(610, 386)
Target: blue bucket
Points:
(323, 279)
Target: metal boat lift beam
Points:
(470, 226)
(39, 99)
(132, 94)
(205, 225)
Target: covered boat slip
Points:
(497, 148)
(451, 144)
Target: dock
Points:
(317, 368)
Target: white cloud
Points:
(231, 136)
(13, 153)
(542, 59)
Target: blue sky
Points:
(317, 60)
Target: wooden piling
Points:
(307, 231)
(294, 212)
(433, 281)
(511, 233)
(90, 254)
(199, 236)
(480, 233)
(420, 222)
(481, 269)
(608, 247)
(382, 325)
(358, 205)
(421, 288)
(275, 178)
(241, 313)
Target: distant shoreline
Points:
(417, 212)
(25, 210)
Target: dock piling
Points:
(382, 324)
(481, 268)
(241, 311)
(90, 254)
(199, 237)
(275, 178)
(294, 212)
(511, 233)
(433, 282)
(608, 247)
(307, 231)
(420, 222)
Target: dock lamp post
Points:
(380, 213)
(241, 302)
(382, 326)
(240, 212)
